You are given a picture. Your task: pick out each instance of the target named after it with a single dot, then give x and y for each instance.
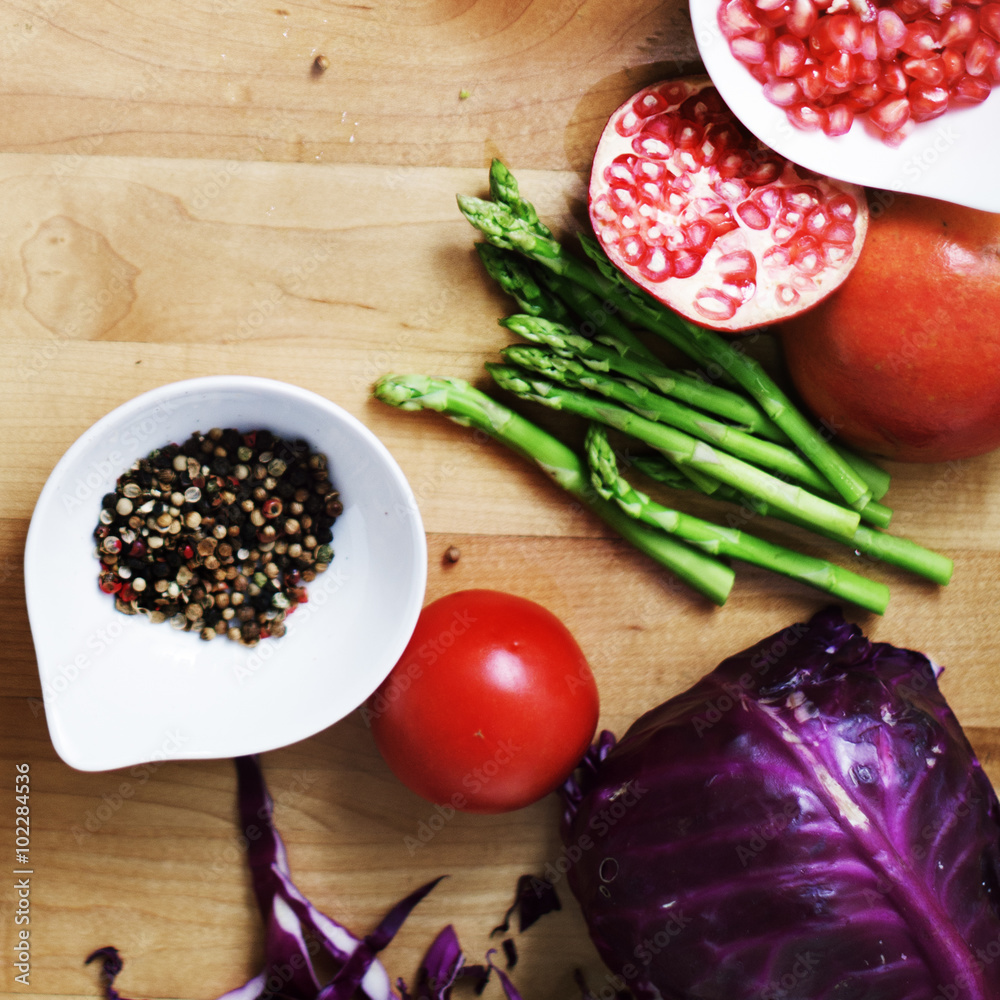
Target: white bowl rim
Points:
(173, 391)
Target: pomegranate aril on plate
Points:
(722, 229)
(826, 64)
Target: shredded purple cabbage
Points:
(294, 927)
(533, 898)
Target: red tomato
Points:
(491, 705)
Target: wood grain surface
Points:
(184, 194)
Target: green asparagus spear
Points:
(590, 308)
(650, 404)
(510, 271)
(466, 405)
(506, 229)
(504, 190)
(682, 448)
(609, 354)
(819, 573)
(879, 545)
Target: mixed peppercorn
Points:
(219, 534)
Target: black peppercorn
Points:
(190, 537)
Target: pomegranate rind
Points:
(711, 222)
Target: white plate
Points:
(951, 157)
(119, 690)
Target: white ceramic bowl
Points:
(951, 157)
(120, 690)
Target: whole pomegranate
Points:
(904, 358)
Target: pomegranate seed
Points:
(867, 71)
(839, 232)
(804, 197)
(721, 220)
(736, 18)
(786, 295)
(993, 70)
(622, 168)
(929, 70)
(980, 55)
(689, 136)
(729, 165)
(783, 93)
(652, 232)
(705, 107)
(801, 18)
(813, 83)
(715, 305)
(989, 20)
(891, 113)
(773, 18)
(807, 116)
(651, 146)
(769, 5)
(789, 55)
(738, 267)
(896, 137)
(735, 189)
(632, 249)
(960, 26)
(768, 200)
(927, 101)
(621, 198)
(865, 97)
(844, 32)
(954, 65)
(970, 89)
(686, 263)
(843, 208)
(891, 28)
(869, 42)
(807, 254)
(650, 103)
(629, 124)
(817, 221)
(764, 169)
(657, 266)
(752, 215)
(777, 258)
(922, 38)
(893, 80)
(699, 235)
(748, 51)
(840, 118)
(675, 91)
(839, 69)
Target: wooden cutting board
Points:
(184, 195)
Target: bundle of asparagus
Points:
(742, 441)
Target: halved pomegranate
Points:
(709, 220)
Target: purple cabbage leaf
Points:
(807, 822)
(297, 934)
